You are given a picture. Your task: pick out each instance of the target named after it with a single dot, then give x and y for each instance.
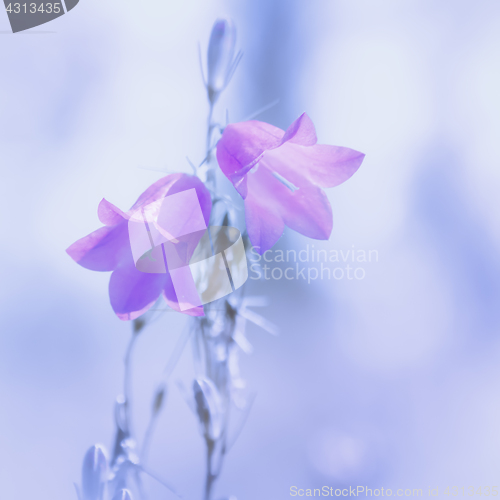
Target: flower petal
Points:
(101, 250)
(301, 131)
(171, 299)
(342, 162)
(323, 165)
(308, 212)
(108, 214)
(132, 292)
(172, 184)
(262, 211)
(270, 205)
(241, 146)
(156, 191)
(186, 182)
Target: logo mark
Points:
(28, 14)
(170, 236)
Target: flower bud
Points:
(123, 495)
(139, 324)
(208, 407)
(159, 399)
(94, 473)
(220, 57)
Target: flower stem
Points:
(210, 477)
(162, 386)
(209, 129)
(210, 171)
(127, 381)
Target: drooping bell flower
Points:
(131, 291)
(281, 174)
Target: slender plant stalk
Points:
(127, 379)
(214, 337)
(210, 477)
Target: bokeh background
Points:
(391, 381)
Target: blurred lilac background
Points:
(388, 381)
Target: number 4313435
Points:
(33, 8)
(471, 491)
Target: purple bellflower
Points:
(280, 175)
(131, 291)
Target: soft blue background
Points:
(392, 381)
